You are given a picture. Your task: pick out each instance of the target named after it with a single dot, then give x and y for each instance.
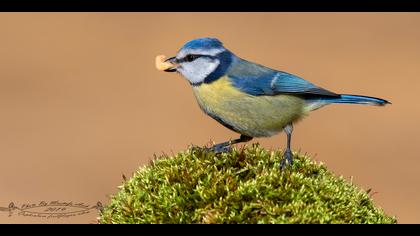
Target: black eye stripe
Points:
(192, 57)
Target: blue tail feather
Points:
(357, 99)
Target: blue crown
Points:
(203, 43)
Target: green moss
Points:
(242, 186)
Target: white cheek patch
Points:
(196, 71)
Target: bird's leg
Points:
(288, 156)
(225, 146)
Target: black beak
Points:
(174, 62)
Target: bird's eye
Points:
(191, 57)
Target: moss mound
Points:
(242, 186)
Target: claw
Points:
(288, 157)
(220, 148)
(196, 148)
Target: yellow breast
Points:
(254, 116)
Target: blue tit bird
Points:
(248, 98)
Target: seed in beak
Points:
(163, 64)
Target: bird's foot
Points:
(220, 148)
(287, 157)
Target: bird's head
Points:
(201, 60)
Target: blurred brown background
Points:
(81, 102)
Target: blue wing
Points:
(259, 80)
